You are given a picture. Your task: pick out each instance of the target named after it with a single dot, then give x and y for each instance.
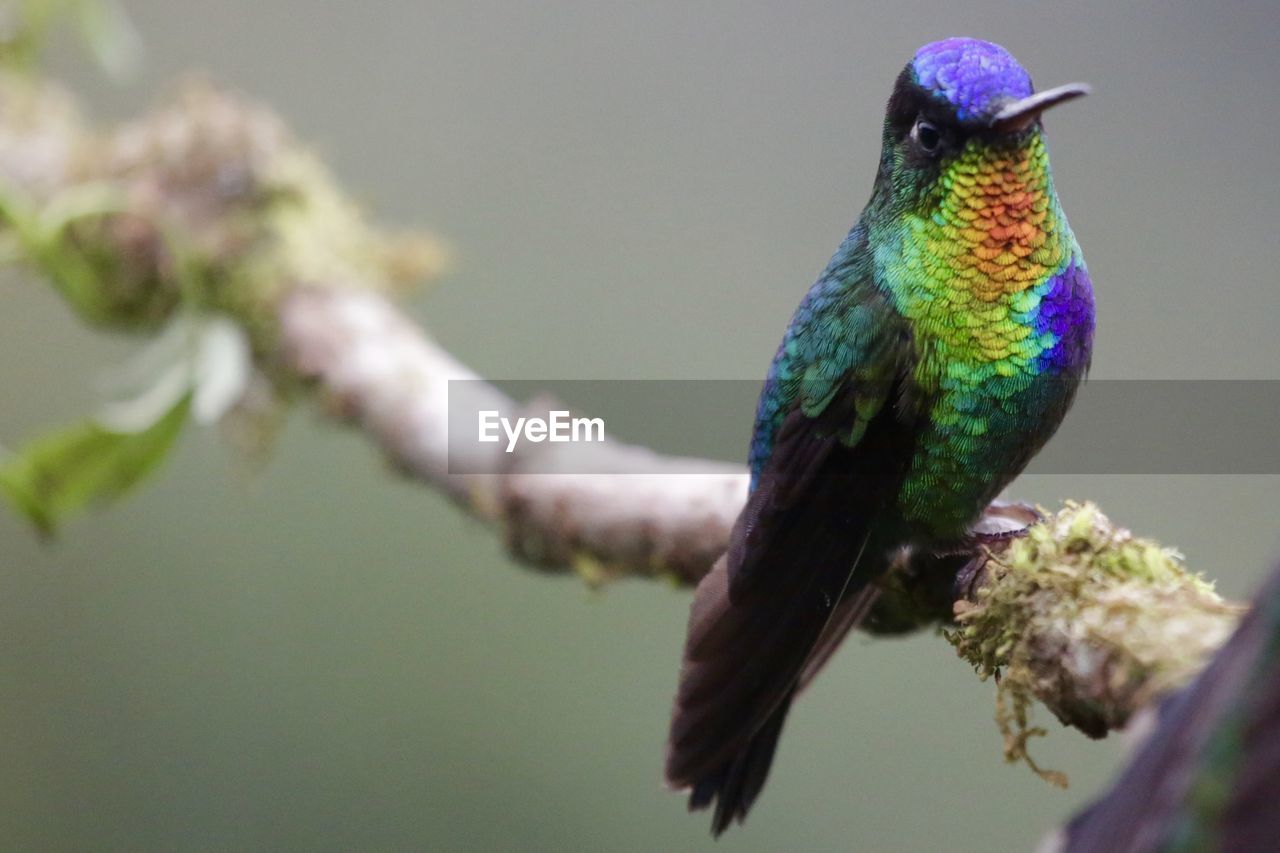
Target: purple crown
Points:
(974, 76)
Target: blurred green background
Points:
(322, 657)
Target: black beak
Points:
(1019, 115)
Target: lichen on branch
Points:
(1088, 619)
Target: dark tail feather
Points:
(847, 615)
(743, 660)
(735, 788)
(799, 573)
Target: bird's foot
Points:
(1002, 522)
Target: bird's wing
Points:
(796, 553)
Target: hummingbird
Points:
(934, 356)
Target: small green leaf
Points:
(65, 471)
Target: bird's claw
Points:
(1004, 520)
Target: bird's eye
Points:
(927, 136)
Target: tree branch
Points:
(376, 368)
(210, 206)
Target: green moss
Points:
(1088, 619)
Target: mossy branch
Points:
(209, 207)
(1090, 620)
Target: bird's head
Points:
(964, 201)
(964, 115)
